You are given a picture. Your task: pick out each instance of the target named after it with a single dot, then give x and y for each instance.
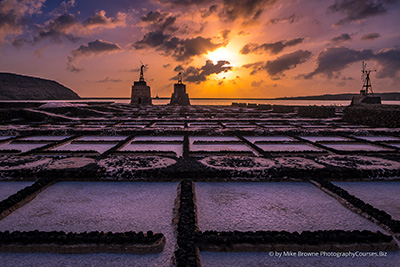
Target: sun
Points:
(224, 53)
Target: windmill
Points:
(142, 68)
(365, 93)
(365, 78)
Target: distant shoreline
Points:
(393, 96)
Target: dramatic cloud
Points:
(247, 9)
(230, 10)
(160, 21)
(152, 16)
(179, 68)
(209, 11)
(273, 48)
(61, 26)
(256, 67)
(92, 48)
(197, 75)
(225, 33)
(344, 37)
(66, 25)
(257, 83)
(389, 61)
(370, 36)
(180, 49)
(332, 60)
(184, 2)
(13, 14)
(355, 10)
(108, 80)
(276, 67)
(290, 19)
(100, 20)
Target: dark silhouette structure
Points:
(179, 96)
(141, 91)
(366, 94)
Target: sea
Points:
(217, 101)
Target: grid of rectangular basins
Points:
(200, 145)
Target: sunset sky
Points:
(226, 48)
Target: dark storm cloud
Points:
(209, 11)
(370, 36)
(359, 9)
(67, 26)
(225, 33)
(290, 19)
(196, 75)
(61, 26)
(99, 19)
(389, 61)
(92, 48)
(180, 49)
(247, 9)
(95, 47)
(15, 14)
(273, 48)
(108, 80)
(184, 2)
(179, 68)
(160, 21)
(276, 67)
(332, 60)
(9, 18)
(152, 16)
(230, 10)
(344, 37)
(256, 67)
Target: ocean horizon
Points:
(219, 101)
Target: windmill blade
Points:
(364, 65)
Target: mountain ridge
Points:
(21, 87)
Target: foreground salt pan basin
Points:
(272, 206)
(94, 206)
(100, 148)
(210, 259)
(21, 147)
(9, 188)
(381, 195)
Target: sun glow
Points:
(224, 53)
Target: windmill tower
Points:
(141, 94)
(366, 79)
(366, 91)
(179, 96)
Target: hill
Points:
(384, 96)
(20, 87)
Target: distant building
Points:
(179, 96)
(140, 91)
